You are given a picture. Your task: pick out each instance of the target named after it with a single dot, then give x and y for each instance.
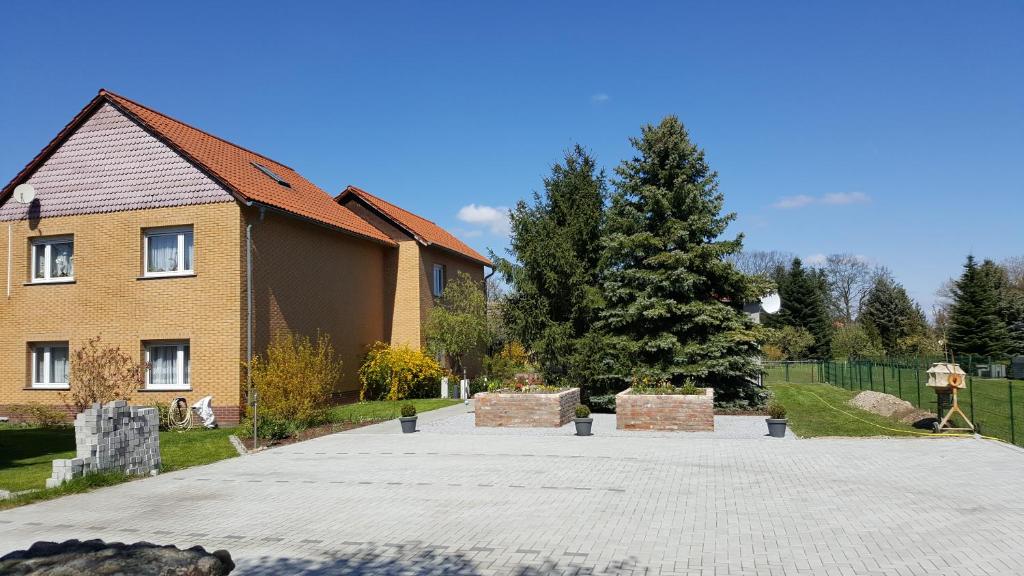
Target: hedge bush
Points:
(398, 372)
(295, 378)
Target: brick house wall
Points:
(108, 299)
(430, 255)
(308, 278)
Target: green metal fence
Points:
(995, 405)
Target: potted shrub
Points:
(583, 420)
(776, 420)
(408, 418)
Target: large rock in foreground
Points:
(96, 557)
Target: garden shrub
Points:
(582, 411)
(408, 410)
(295, 378)
(604, 403)
(102, 374)
(776, 411)
(41, 415)
(510, 360)
(162, 409)
(269, 428)
(399, 372)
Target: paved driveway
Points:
(445, 503)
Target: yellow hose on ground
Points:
(925, 434)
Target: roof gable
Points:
(107, 164)
(231, 166)
(425, 231)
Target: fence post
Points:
(871, 375)
(883, 378)
(1009, 385)
(786, 365)
(970, 382)
(917, 378)
(899, 382)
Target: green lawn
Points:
(807, 407)
(383, 409)
(25, 453)
(996, 406)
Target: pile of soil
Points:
(890, 406)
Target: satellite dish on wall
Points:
(771, 303)
(24, 193)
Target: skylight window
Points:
(272, 175)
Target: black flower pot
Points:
(776, 427)
(408, 424)
(583, 426)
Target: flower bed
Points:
(526, 409)
(679, 412)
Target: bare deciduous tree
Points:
(760, 262)
(849, 279)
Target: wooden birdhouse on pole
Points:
(948, 378)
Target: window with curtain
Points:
(53, 259)
(169, 365)
(439, 279)
(50, 365)
(169, 252)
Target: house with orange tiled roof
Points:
(188, 251)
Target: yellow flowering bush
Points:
(398, 372)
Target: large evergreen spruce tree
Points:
(803, 305)
(891, 313)
(673, 301)
(556, 245)
(975, 324)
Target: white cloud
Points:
(841, 198)
(795, 201)
(831, 199)
(600, 98)
(815, 259)
(493, 218)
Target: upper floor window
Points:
(169, 365)
(439, 279)
(53, 259)
(168, 252)
(50, 365)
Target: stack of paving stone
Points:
(113, 437)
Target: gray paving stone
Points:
(464, 503)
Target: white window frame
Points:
(46, 349)
(181, 232)
(437, 281)
(181, 383)
(46, 245)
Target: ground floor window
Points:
(50, 365)
(168, 365)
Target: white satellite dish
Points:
(24, 193)
(771, 303)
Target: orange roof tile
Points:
(228, 164)
(424, 230)
(233, 165)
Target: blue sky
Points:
(890, 130)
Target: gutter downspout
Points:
(9, 234)
(248, 326)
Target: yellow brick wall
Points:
(308, 278)
(109, 300)
(405, 323)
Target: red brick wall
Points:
(680, 412)
(526, 410)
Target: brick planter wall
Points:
(684, 413)
(526, 410)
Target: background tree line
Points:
(846, 307)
